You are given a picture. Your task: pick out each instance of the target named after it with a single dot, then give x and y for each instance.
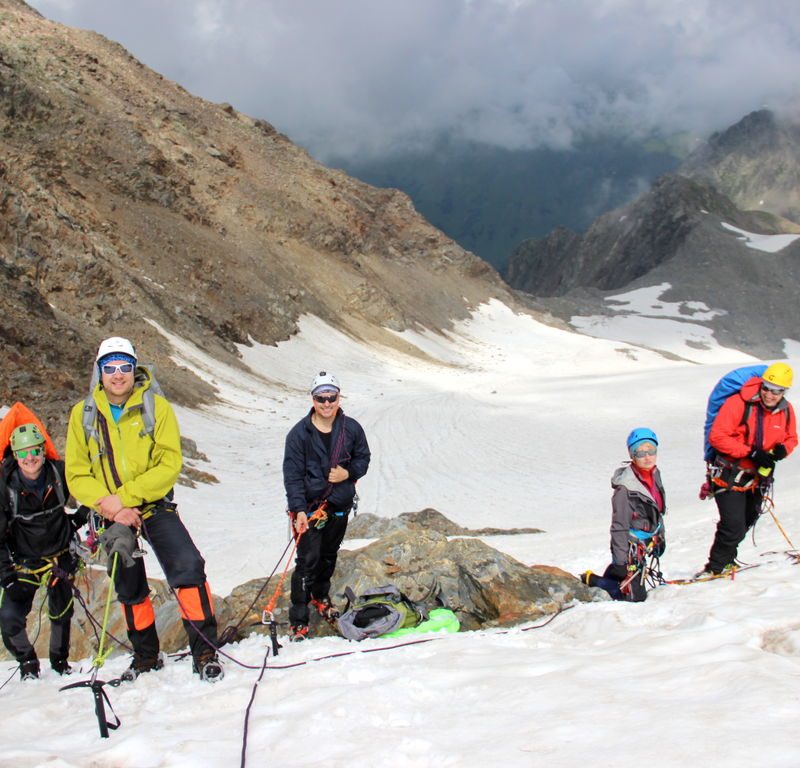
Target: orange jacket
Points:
(735, 439)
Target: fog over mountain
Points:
(360, 77)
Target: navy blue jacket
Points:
(306, 463)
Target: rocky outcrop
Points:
(124, 197)
(755, 162)
(628, 243)
(485, 587)
(369, 526)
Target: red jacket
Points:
(736, 440)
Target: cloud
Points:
(360, 76)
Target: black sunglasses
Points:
(326, 398)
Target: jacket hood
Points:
(625, 477)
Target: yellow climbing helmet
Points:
(779, 375)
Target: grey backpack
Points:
(377, 612)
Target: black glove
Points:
(119, 539)
(14, 589)
(81, 516)
(616, 572)
(762, 458)
(779, 452)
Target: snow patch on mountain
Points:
(765, 243)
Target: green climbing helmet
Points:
(26, 436)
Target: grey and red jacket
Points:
(306, 463)
(633, 506)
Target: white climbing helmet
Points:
(115, 345)
(325, 382)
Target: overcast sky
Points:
(348, 76)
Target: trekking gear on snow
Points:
(326, 610)
(100, 700)
(378, 611)
(439, 619)
(779, 375)
(207, 665)
(140, 664)
(298, 633)
(29, 670)
(60, 666)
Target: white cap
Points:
(325, 382)
(115, 344)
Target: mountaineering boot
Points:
(326, 609)
(29, 670)
(706, 573)
(208, 667)
(298, 633)
(60, 665)
(140, 665)
(589, 579)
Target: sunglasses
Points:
(32, 451)
(642, 452)
(771, 390)
(110, 370)
(326, 398)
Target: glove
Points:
(763, 459)
(119, 539)
(81, 516)
(616, 572)
(779, 452)
(14, 589)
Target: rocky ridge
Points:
(629, 242)
(755, 162)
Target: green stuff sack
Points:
(439, 620)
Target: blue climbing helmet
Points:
(641, 435)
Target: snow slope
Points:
(506, 422)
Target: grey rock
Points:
(369, 526)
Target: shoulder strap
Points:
(149, 401)
(89, 418)
(148, 413)
(58, 486)
(748, 409)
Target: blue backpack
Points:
(728, 385)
